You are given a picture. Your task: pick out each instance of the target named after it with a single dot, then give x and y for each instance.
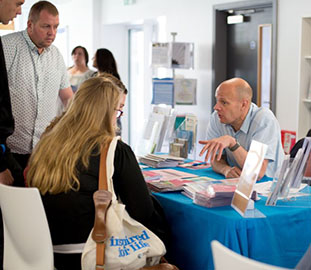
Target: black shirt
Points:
(71, 215)
(6, 117)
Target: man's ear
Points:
(245, 103)
(29, 24)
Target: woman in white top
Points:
(79, 72)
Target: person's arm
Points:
(214, 149)
(263, 169)
(65, 92)
(65, 95)
(6, 177)
(222, 167)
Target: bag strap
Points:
(102, 179)
(102, 185)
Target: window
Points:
(136, 85)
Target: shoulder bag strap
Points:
(102, 185)
(102, 179)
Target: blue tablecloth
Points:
(279, 239)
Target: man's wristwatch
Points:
(234, 147)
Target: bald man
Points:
(235, 122)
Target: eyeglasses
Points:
(119, 113)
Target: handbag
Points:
(123, 242)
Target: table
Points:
(279, 239)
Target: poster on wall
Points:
(173, 55)
(163, 91)
(182, 55)
(185, 91)
(161, 55)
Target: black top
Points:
(6, 117)
(298, 145)
(71, 215)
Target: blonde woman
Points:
(65, 164)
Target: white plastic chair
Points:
(27, 239)
(225, 259)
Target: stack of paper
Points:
(215, 195)
(167, 186)
(169, 180)
(190, 189)
(151, 175)
(160, 161)
(212, 193)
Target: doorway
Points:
(136, 84)
(236, 45)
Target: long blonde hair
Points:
(86, 125)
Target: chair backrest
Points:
(224, 259)
(27, 239)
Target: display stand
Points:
(289, 179)
(173, 55)
(174, 34)
(183, 140)
(158, 131)
(242, 196)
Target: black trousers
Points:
(21, 159)
(67, 261)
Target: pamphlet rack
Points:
(183, 139)
(173, 55)
(294, 175)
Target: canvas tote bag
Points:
(130, 245)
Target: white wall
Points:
(193, 21)
(114, 38)
(78, 16)
(289, 36)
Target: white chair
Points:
(225, 259)
(27, 239)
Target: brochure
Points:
(160, 161)
(185, 91)
(167, 186)
(150, 175)
(195, 165)
(170, 174)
